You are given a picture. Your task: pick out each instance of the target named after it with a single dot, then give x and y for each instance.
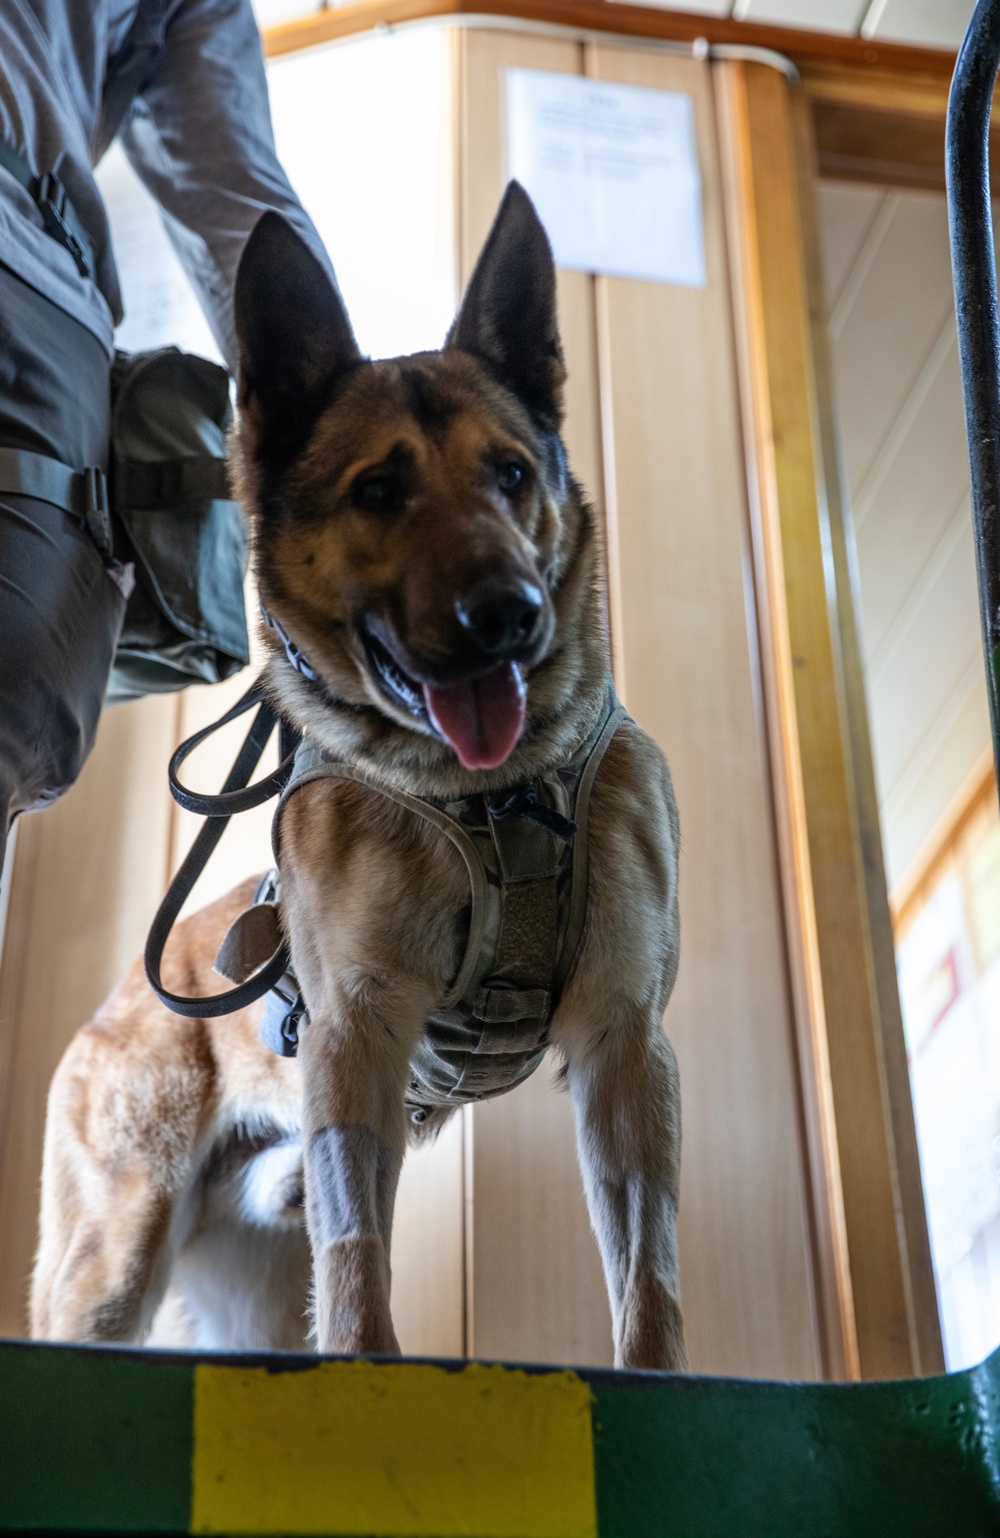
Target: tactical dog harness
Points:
(526, 854)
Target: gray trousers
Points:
(60, 610)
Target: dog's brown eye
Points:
(511, 476)
(379, 495)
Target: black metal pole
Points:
(967, 168)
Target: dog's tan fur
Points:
(152, 1119)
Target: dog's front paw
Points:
(652, 1330)
(352, 1299)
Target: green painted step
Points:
(118, 1441)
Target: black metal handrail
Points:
(967, 169)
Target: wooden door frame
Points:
(875, 1270)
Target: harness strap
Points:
(446, 825)
(217, 810)
(58, 214)
(156, 483)
(581, 851)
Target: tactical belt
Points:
(81, 493)
(58, 214)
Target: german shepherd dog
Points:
(419, 539)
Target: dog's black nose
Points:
(502, 618)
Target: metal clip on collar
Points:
(237, 795)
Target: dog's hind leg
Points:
(119, 1154)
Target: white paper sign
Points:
(613, 172)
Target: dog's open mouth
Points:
(481, 718)
(397, 684)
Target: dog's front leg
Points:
(626, 1103)
(369, 906)
(354, 1062)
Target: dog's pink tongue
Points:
(482, 720)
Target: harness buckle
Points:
(284, 1019)
(97, 509)
(54, 205)
(525, 803)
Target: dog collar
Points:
(295, 655)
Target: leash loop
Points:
(237, 795)
(244, 797)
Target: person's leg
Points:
(60, 609)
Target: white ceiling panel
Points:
(273, 13)
(700, 7)
(934, 23)
(826, 15)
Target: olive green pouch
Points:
(174, 516)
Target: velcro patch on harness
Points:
(498, 1006)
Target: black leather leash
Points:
(237, 795)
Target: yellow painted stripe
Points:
(393, 1451)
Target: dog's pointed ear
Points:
(508, 316)
(294, 336)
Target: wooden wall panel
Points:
(428, 1247)
(88, 874)
(688, 658)
(536, 1289)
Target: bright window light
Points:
(363, 130)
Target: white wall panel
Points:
(925, 661)
(893, 322)
(935, 777)
(924, 490)
(851, 212)
(899, 410)
(363, 130)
